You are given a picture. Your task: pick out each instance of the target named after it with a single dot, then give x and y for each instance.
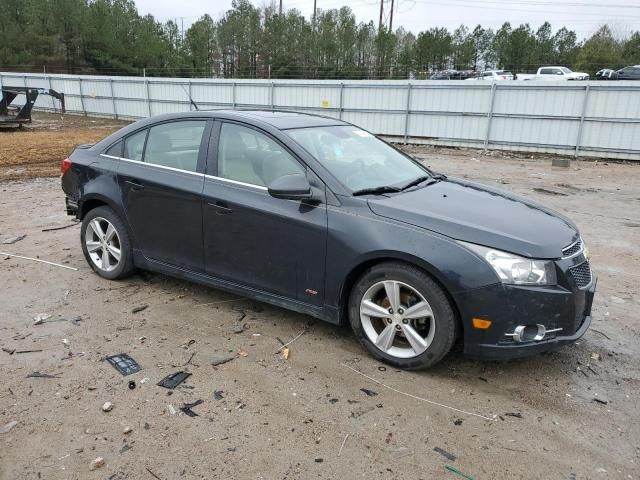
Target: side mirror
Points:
(291, 187)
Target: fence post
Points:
(146, 82)
(53, 102)
(233, 94)
(84, 112)
(406, 114)
(113, 99)
(490, 114)
(273, 87)
(340, 105)
(582, 115)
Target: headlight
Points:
(516, 270)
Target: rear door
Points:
(251, 238)
(161, 178)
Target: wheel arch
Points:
(93, 201)
(398, 257)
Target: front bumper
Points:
(507, 306)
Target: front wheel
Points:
(106, 244)
(402, 316)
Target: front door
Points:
(251, 238)
(161, 178)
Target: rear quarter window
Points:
(115, 150)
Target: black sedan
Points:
(319, 216)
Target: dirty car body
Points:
(307, 235)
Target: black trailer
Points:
(19, 115)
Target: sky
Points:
(582, 16)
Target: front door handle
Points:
(221, 207)
(134, 185)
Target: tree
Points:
(599, 51)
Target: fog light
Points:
(481, 323)
(530, 333)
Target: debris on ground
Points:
(132, 385)
(139, 308)
(186, 408)
(599, 400)
(8, 427)
(458, 422)
(546, 191)
(10, 351)
(218, 394)
(11, 241)
(12, 255)
(127, 430)
(124, 364)
(40, 318)
(173, 380)
(62, 227)
(595, 356)
(388, 438)
(221, 359)
(370, 393)
(343, 443)
(285, 354)
(458, 472)
(41, 375)
(28, 351)
(107, 407)
(513, 414)
(171, 409)
(449, 456)
(97, 463)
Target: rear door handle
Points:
(221, 207)
(134, 185)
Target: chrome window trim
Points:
(163, 167)
(236, 182)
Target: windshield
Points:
(565, 70)
(357, 158)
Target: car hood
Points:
(577, 74)
(482, 215)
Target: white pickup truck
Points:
(559, 74)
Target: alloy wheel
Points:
(103, 244)
(397, 319)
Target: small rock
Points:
(97, 463)
(318, 460)
(171, 409)
(127, 430)
(10, 241)
(7, 428)
(238, 329)
(107, 407)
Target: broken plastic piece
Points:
(124, 364)
(173, 380)
(188, 406)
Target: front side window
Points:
(134, 146)
(356, 158)
(175, 144)
(248, 156)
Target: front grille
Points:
(581, 274)
(572, 249)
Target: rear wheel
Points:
(402, 316)
(106, 244)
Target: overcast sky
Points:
(583, 16)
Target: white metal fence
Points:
(598, 119)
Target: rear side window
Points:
(115, 150)
(134, 146)
(175, 144)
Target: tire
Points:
(422, 329)
(110, 267)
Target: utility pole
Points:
(314, 14)
(380, 21)
(280, 11)
(391, 18)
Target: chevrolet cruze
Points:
(319, 216)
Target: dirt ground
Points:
(37, 149)
(306, 416)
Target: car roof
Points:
(283, 119)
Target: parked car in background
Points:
(606, 74)
(559, 74)
(628, 73)
(494, 75)
(453, 75)
(319, 216)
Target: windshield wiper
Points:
(376, 190)
(415, 182)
